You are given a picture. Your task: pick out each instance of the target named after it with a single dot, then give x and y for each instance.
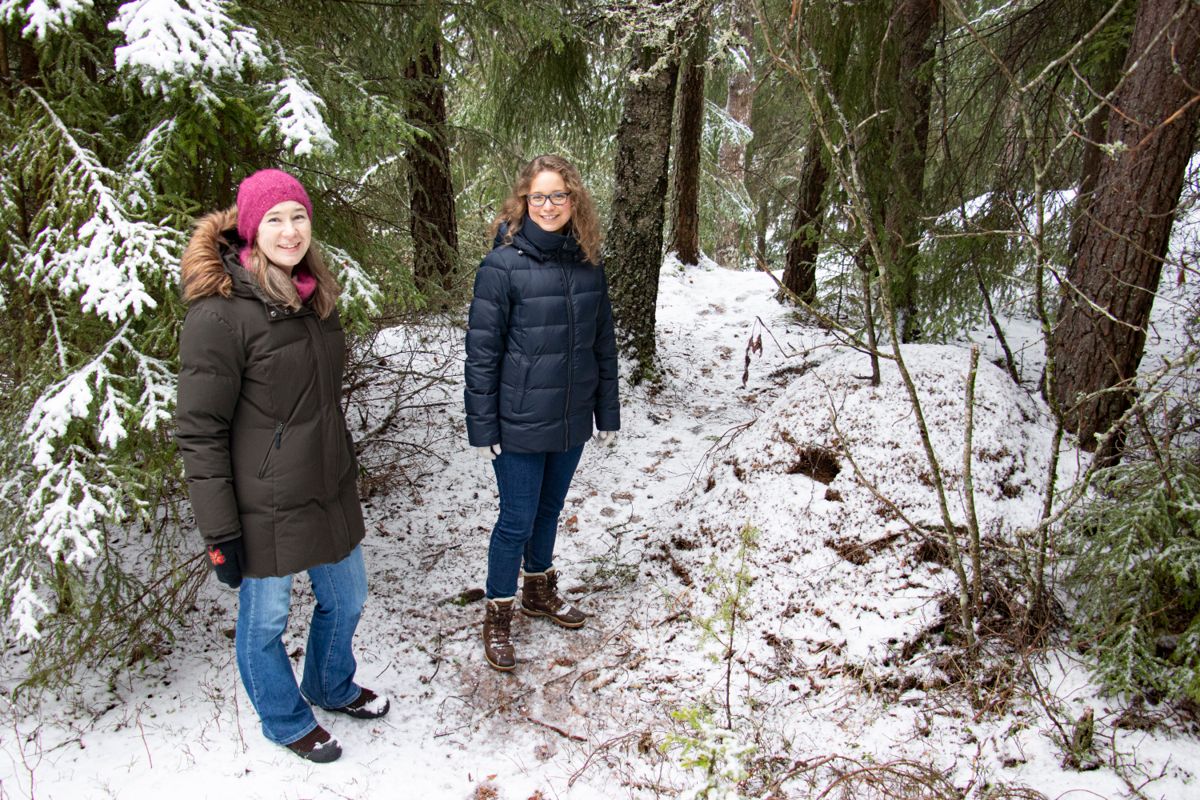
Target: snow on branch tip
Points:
(171, 41)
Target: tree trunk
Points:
(800, 267)
(4, 72)
(685, 240)
(1108, 73)
(1101, 330)
(432, 220)
(914, 19)
(635, 237)
(732, 155)
(799, 273)
(27, 59)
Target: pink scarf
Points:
(305, 282)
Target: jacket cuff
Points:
(608, 421)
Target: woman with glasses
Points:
(541, 368)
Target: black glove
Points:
(227, 559)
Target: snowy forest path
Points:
(580, 689)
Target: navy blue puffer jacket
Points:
(541, 354)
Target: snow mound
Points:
(836, 567)
(831, 420)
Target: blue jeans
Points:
(263, 604)
(533, 487)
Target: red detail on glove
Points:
(216, 556)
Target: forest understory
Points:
(763, 620)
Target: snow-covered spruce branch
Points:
(104, 256)
(297, 109)
(70, 491)
(60, 523)
(43, 17)
(142, 163)
(172, 43)
(17, 594)
(74, 397)
(69, 503)
(92, 255)
(359, 290)
(169, 42)
(298, 117)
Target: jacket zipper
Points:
(278, 440)
(570, 355)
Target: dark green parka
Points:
(265, 447)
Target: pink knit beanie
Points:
(258, 194)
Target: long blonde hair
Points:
(278, 288)
(585, 222)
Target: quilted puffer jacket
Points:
(541, 354)
(265, 447)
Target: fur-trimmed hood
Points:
(204, 267)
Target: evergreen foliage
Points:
(715, 755)
(1136, 578)
(117, 126)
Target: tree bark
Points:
(739, 103)
(800, 266)
(27, 60)
(910, 135)
(685, 240)
(4, 71)
(635, 236)
(1101, 331)
(432, 220)
(804, 244)
(1108, 73)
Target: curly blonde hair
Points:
(585, 221)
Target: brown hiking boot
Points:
(497, 633)
(540, 598)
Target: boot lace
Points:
(550, 598)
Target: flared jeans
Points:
(263, 605)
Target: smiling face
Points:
(549, 217)
(284, 234)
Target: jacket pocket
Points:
(276, 442)
(351, 452)
(518, 403)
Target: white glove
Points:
(488, 453)
(606, 437)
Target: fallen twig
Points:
(597, 750)
(574, 737)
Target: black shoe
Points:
(367, 705)
(317, 746)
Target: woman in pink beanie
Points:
(269, 461)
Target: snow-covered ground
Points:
(826, 678)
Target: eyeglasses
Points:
(557, 198)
